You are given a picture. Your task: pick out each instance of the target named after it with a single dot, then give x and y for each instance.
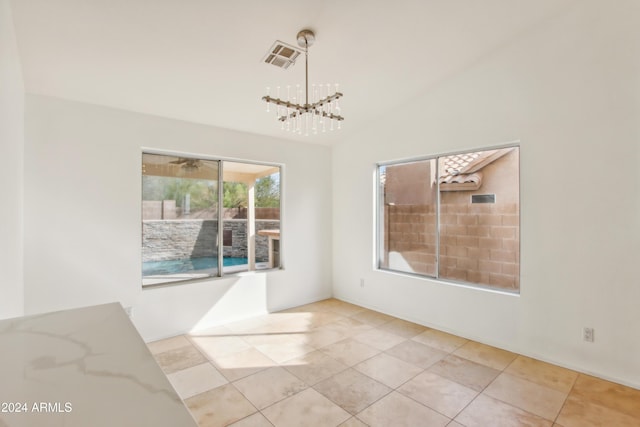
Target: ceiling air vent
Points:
(282, 55)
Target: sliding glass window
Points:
(453, 217)
(194, 228)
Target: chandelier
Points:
(320, 110)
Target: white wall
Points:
(83, 217)
(11, 168)
(569, 91)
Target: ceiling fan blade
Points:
(179, 161)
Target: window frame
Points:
(379, 232)
(220, 213)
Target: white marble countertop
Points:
(83, 367)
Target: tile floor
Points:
(336, 364)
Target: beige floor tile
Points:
(379, 339)
(323, 305)
(352, 390)
(403, 328)
(314, 367)
(314, 345)
(274, 328)
(302, 322)
(219, 407)
(438, 393)
(280, 347)
(242, 364)
(486, 355)
(349, 352)
(543, 373)
(388, 370)
(465, 372)
(577, 412)
(269, 386)
(323, 318)
(485, 411)
(323, 336)
(214, 331)
(307, 408)
(440, 340)
(255, 420)
(537, 399)
(289, 322)
(348, 326)
(353, 422)
(172, 343)
(418, 354)
(345, 308)
(195, 380)
(213, 347)
(330, 305)
(610, 395)
(400, 411)
(373, 318)
(179, 358)
(251, 325)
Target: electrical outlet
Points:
(587, 334)
(362, 283)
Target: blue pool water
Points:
(153, 268)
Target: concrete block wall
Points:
(412, 233)
(479, 243)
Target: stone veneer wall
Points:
(238, 249)
(479, 243)
(179, 239)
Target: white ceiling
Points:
(201, 60)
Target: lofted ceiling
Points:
(201, 60)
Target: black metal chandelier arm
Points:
(298, 112)
(326, 100)
(281, 102)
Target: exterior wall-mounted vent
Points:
(282, 55)
(483, 198)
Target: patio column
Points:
(251, 225)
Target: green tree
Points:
(267, 192)
(235, 195)
(203, 194)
